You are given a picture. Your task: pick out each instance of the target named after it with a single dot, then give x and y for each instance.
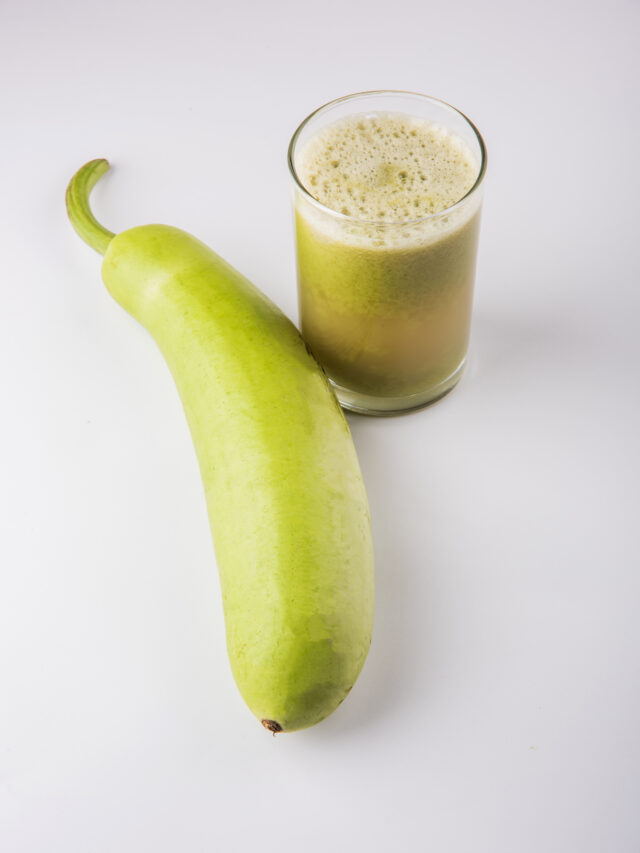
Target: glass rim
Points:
(399, 223)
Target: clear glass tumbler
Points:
(385, 304)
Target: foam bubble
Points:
(386, 167)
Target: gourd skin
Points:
(286, 501)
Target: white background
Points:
(499, 708)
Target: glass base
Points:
(366, 404)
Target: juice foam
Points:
(386, 167)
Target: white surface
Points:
(499, 707)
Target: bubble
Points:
(382, 165)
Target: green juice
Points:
(386, 255)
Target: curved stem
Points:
(77, 198)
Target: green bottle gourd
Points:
(286, 501)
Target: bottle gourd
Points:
(286, 501)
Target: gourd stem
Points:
(77, 198)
